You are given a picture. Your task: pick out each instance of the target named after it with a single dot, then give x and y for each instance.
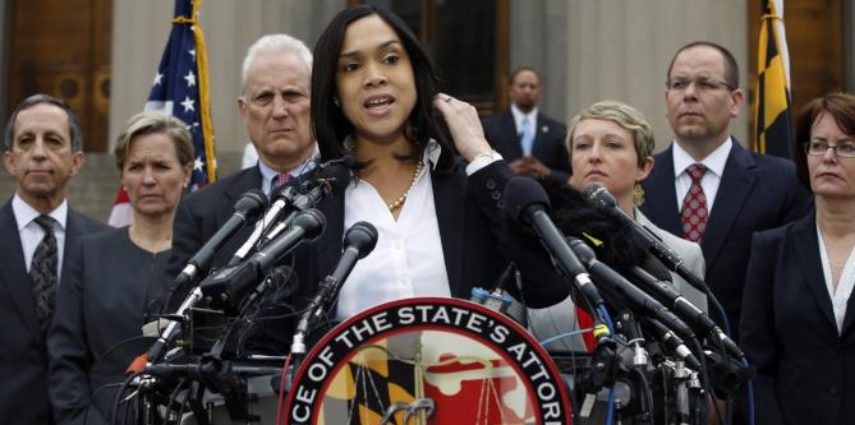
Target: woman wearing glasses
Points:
(798, 326)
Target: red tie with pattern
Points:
(694, 213)
(281, 179)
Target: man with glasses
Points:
(706, 187)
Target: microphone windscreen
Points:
(252, 202)
(363, 236)
(521, 193)
(338, 172)
(613, 241)
(599, 195)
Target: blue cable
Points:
(610, 416)
(565, 335)
(750, 395)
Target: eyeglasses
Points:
(820, 147)
(702, 84)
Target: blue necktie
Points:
(526, 136)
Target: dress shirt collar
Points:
(25, 214)
(268, 173)
(432, 153)
(714, 162)
(519, 115)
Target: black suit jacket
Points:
(200, 214)
(110, 293)
(476, 242)
(548, 148)
(805, 368)
(23, 358)
(756, 192)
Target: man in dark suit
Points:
(274, 105)
(735, 192)
(531, 142)
(42, 151)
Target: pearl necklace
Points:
(400, 201)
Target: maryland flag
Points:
(773, 110)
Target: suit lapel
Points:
(72, 232)
(540, 132)
(449, 197)
(662, 194)
(329, 247)
(510, 128)
(807, 249)
(737, 182)
(849, 318)
(17, 282)
(249, 179)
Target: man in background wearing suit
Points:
(274, 106)
(705, 186)
(531, 142)
(43, 150)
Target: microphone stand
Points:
(330, 288)
(172, 329)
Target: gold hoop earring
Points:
(638, 194)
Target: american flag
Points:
(180, 88)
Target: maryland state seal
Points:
(428, 361)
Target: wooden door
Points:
(468, 41)
(62, 47)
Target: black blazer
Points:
(757, 192)
(548, 148)
(475, 240)
(805, 369)
(111, 292)
(23, 358)
(200, 214)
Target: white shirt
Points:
(711, 180)
(250, 156)
(408, 259)
(520, 115)
(267, 173)
(32, 234)
(840, 298)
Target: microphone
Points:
(693, 316)
(674, 343)
(527, 202)
(359, 240)
(231, 283)
(605, 275)
(330, 177)
(247, 208)
(599, 195)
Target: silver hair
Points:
(275, 42)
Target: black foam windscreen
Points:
(612, 240)
(522, 193)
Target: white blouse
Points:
(840, 298)
(408, 260)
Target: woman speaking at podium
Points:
(441, 232)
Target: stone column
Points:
(620, 49)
